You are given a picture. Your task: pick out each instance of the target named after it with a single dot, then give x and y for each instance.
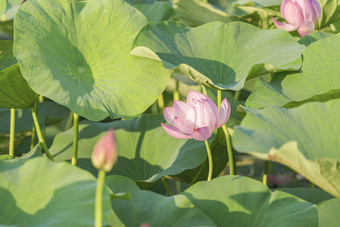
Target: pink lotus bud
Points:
(300, 15)
(105, 152)
(195, 119)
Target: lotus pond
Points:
(170, 113)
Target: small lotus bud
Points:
(105, 152)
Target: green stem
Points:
(41, 98)
(210, 160)
(98, 213)
(34, 131)
(265, 174)
(160, 102)
(176, 95)
(75, 138)
(178, 187)
(230, 151)
(12, 133)
(227, 138)
(166, 186)
(40, 137)
(69, 121)
(267, 19)
(237, 94)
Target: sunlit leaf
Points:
(39, 192)
(217, 55)
(305, 139)
(242, 201)
(79, 56)
(152, 208)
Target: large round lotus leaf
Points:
(305, 138)
(14, 92)
(145, 151)
(39, 192)
(217, 55)
(318, 79)
(328, 212)
(241, 201)
(152, 208)
(78, 54)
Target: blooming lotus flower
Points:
(300, 15)
(195, 119)
(105, 152)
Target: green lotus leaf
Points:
(196, 12)
(217, 55)
(242, 201)
(146, 152)
(313, 37)
(330, 12)
(156, 12)
(78, 54)
(152, 208)
(312, 195)
(39, 192)
(328, 212)
(318, 79)
(304, 138)
(15, 92)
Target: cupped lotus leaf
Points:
(242, 201)
(39, 192)
(318, 79)
(14, 92)
(328, 213)
(145, 151)
(217, 55)
(152, 208)
(305, 138)
(78, 54)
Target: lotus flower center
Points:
(81, 69)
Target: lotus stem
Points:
(227, 137)
(12, 132)
(98, 213)
(160, 102)
(40, 137)
(75, 138)
(176, 92)
(166, 186)
(266, 171)
(34, 131)
(210, 160)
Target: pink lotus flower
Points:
(195, 119)
(105, 152)
(300, 15)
